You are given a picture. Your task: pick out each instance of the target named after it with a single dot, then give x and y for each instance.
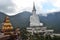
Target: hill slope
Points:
(22, 20)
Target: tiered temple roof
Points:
(7, 26)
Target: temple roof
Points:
(6, 26)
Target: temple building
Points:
(7, 26)
(36, 26)
(34, 19)
(8, 32)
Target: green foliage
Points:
(26, 35)
(56, 38)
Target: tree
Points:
(24, 34)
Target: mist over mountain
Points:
(52, 20)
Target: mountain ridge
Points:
(52, 20)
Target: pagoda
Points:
(36, 27)
(7, 26)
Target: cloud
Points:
(50, 11)
(55, 3)
(51, 6)
(12, 7)
(7, 6)
(27, 5)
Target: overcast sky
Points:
(12, 7)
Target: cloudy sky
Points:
(12, 7)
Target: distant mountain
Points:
(52, 20)
(2, 16)
(21, 19)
